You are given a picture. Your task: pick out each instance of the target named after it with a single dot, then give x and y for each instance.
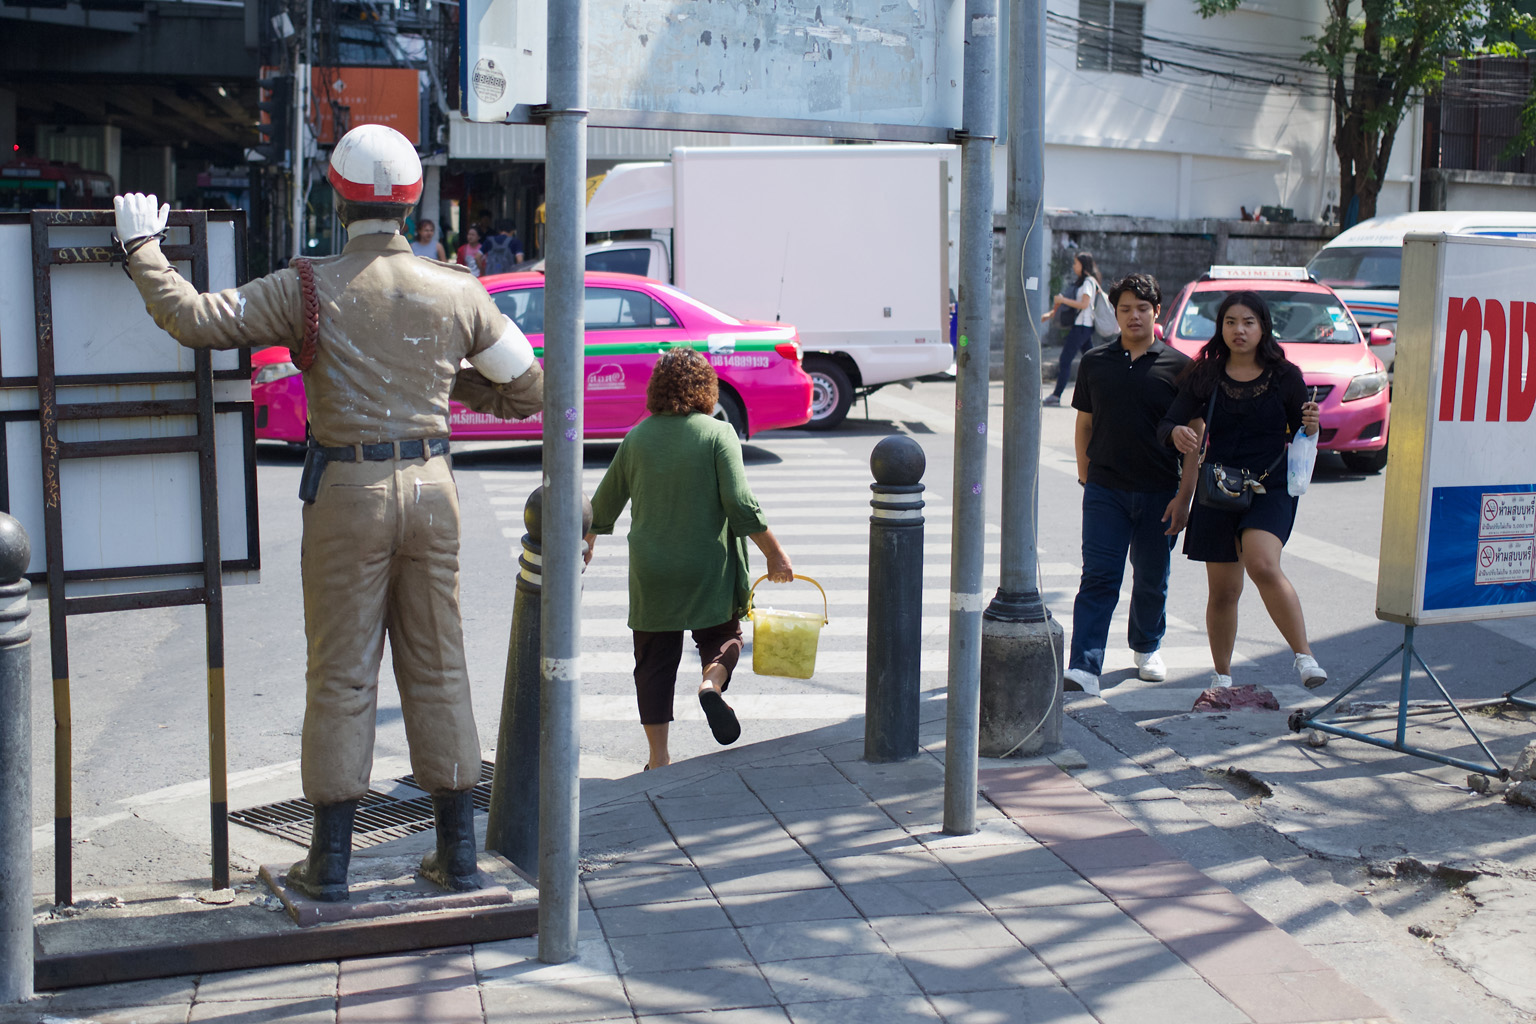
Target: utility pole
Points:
(565, 180)
(972, 366)
(1021, 645)
(300, 128)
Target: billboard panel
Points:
(856, 69)
(1459, 529)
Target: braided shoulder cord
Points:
(306, 356)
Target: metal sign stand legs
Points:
(1300, 720)
(56, 450)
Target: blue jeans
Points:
(1078, 339)
(1115, 523)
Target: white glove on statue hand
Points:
(137, 216)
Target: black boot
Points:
(323, 874)
(453, 865)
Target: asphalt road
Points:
(138, 680)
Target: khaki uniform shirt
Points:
(393, 329)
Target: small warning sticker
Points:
(489, 83)
(1503, 561)
(1507, 515)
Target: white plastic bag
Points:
(1299, 460)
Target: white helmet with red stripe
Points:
(375, 164)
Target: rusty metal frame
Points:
(210, 594)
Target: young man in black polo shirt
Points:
(1135, 498)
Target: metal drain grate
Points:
(381, 817)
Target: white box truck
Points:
(850, 244)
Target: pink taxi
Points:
(1319, 335)
(630, 321)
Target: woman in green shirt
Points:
(687, 558)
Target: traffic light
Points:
(275, 124)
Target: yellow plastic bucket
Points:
(784, 643)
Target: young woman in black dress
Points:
(1261, 401)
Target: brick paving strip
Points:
(814, 887)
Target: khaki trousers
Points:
(381, 555)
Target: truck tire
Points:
(1365, 462)
(730, 409)
(831, 393)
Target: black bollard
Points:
(15, 766)
(512, 828)
(893, 655)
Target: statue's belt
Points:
(385, 450)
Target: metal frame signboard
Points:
(857, 69)
(1459, 524)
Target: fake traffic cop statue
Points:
(379, 334)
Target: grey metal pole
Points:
(893, 662)
(972, 360)
(564, 343)
(512, 828)
(15, 766)
(1021, 646)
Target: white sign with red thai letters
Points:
(1461, 486)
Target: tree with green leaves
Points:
(1382, 56)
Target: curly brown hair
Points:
(682, 382)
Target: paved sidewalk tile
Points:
(406, 973)
(1175, 917)
(151, 1013)
(861, 976)
(1037, 889)
(438, 1005)
(1073, 922)
(1297, 998)
(1085, 855)
(814, 798)
(661, 918)
(1100, 824)
(1151, 881)
(970, 861)
(276, 1009)
(1113, 961)
(919, 932)
(1033, 1005)
(915, 866)
(132, 993)
(516, 961)
(1233, 953)
(1176, 1001)
(797, 940)
(941, 971)
(819, 904)
(1026, 777)
(714, 947)
(684, 810)
(558, 1003)
(798, 776)
(877, 1010)
(717, 988)
(617, 889)
(751, 1015)
(1030, 803)
(290, 981)
(894, 899)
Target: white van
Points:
(1364, 264)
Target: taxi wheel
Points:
(1365, 462)
(831, 393)
(730, 409)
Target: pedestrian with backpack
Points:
(1086, 290)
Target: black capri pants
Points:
(657, 656)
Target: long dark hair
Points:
(1085, 260)
(1208, 366)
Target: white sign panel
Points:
(124, 511)
(851, 69)
(1459, 529)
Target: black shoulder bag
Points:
(1225, 488)
(1066, 315)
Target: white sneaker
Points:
(1312, 674)
(1080, 679)
(1150, 666)
(1220, 681)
